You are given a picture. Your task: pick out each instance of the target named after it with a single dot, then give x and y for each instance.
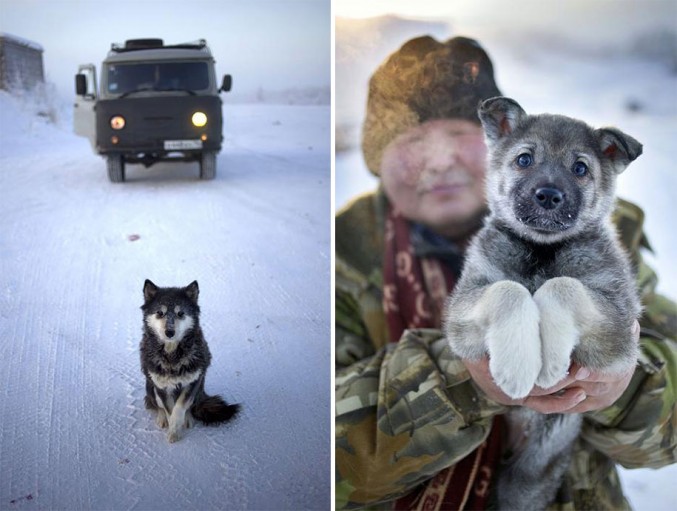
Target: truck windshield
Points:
(126, 78)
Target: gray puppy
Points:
(545, 281)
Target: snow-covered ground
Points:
(608, 63)
(74, 253)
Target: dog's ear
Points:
(149, 290)
(618, 147)
(192, 290)
(499, 116)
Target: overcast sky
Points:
(274, 44)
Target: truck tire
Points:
(116, 168)
(208, 165)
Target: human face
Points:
(433, 174)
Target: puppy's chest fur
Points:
(532, 264)
(179, 367)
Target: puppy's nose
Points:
(170, 333)
(549, 198)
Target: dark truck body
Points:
(156, 103)
(153, 122)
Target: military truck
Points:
(156, 103)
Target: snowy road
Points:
(74, 252)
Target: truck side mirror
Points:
(80, 85)
(227, 83)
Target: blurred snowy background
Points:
(275, 50)
(75, 250)
(608, 62)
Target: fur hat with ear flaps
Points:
(424, 80)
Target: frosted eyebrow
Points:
(177, 309)
(528, 146)
(584, 156)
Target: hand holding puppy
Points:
(582, 390)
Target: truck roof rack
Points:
(153, 44)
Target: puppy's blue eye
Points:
(159, 314)
(580, 169)
(524, 160)
(181, 314)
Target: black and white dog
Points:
(174, 360)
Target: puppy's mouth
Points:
(546, 225)
(545, 221)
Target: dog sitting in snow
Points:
(174, 360)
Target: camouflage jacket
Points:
(406, 410)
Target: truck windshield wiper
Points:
(192, 93)
(140, 89)
(146, 89)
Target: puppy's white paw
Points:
(556, 301)
(554, 369)
(515, 383)
(513, 341)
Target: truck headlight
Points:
(199, 119)
(117, 122)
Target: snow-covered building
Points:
(20, 63)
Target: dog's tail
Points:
(214, 410)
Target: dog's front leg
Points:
(181, 417)
(163, 410)
(178, 417)
(507, 316)
(566, 309)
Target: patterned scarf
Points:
(415, 283)
(419, 270)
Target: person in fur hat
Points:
(416, 427)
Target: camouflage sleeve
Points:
(359, 320)
(639, 430)
(352, 339)
(403, 415)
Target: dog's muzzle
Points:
(545, 208)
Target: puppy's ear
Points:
(620, 148)
(499, 116)
(149, 290)
(192, 290)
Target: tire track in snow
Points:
(28, 375)
(129, 451)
